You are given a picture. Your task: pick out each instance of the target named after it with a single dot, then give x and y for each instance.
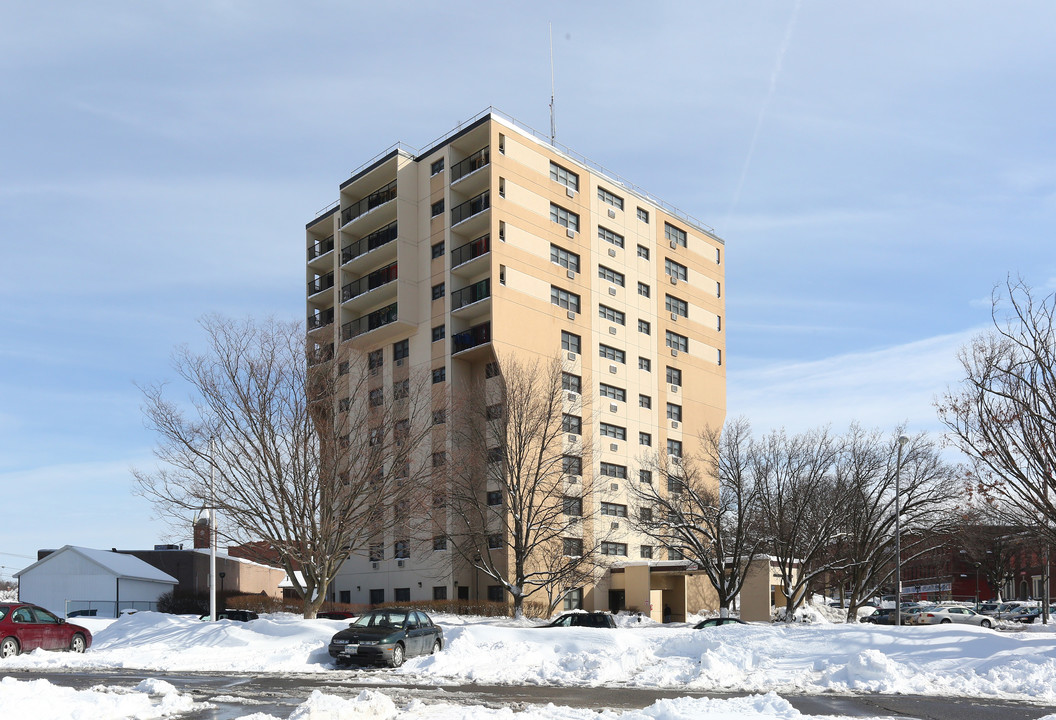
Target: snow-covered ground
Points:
(765, 660)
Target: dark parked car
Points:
(386, 637)
(716, 622)
(583, 619)
(238, 615)
(335, 615)
(886, 616)
(25, 627)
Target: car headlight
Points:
(369, 642)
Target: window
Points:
(645, 364)
(718, 289)
(643, 252)
(646, 552)
(677, 342)
(494, 541)
(440, 592)
(402, 549)
(674, 376)
(614, 471)
(572, 505)
(614, 548)
(401, 349)
(564, 258)
(502, 187)
(439, 332)
(401, 389)
(376, 397)
(718, 256)
(718, 323)
(565, 299)
(607, 197)
(564, 176)
(613, 509)
(674, 554)
(611, 275)
(437, 208)
(439, 459)
(675, 270)
(437, 250)
(645, 476)
(674, 412)
(573, 547)
(439, 417)
(644, 328)
(645, 438)
(611, 353)
(495, 454)
(491, 370)
(438, 291)
(572, 383)
(610, 237)
(439, 375)
(376, 552)
(643, 289)
(502, 143)
(604, 311)
(343, 368)
(496, 592)
(645, 514)
(495, 497)
(570, 342)
(644, 401)
(612, 392)
(676, 306)
(572, 424)
(674, 485)
(574, 599)
(674, 448)
(572, 465)
(718, 356)
(344, 404)
(613, 431)
(437, 167)
(564, 217)
(643, 214)
(494, 412)
(674, 234)
(376, 359)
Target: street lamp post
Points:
(976, 584)
(902, 440)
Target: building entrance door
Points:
(617, 601)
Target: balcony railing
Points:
(321, 248)
(320, 319)
(471, 207)
(368, 322)
(364, 245)
(476, 335)
(323, 282)
(473, 293)
(376, 198)
(473, 249)
(374, 280)
(474, 162)
(321, 354)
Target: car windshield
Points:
(382, 619)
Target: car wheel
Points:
(945, 621)
(436, 648)
(78, 643)
(397, 655)
(8, 648)
(984, 623)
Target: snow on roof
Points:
(123, 566)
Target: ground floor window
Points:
(495, 593)
(463, 592)
(440, 592)
(574, 599)
(401, 594)
(377, 597)
(346, 596)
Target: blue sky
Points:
(874, 168)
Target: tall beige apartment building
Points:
(494, 243)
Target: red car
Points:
(25, 627)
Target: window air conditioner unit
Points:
(572, 438)
(674, 389)
(674, 280)
(399, 363)
(570, 192)
(674, 353)
(571, 275)
(674, 424)
(373, 371)
(612, 291)
(570, 232)
(613, 407)
(614, 486)
(572, 356)
(570, 396)
(612, 253)
(612, 213)
(612, 368)
(571, 315)
(674, 244)
(612, 331)
(615, 525)
(613, 447)
(399, 563)
(674, 317)
(374, 566)
(573, 478)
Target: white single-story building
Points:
(83, 581)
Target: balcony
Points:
(320, 354)
(374, 280)
(320, 248)
(473, 337)
(321, 319)
(469, 295)
(473, 249)
(471, 164)
(321, 283)
(376, 199)
(368, 322)
(471, 207)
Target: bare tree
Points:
(707, 507)
(1003, 414)
(306, 455)
(515, 515)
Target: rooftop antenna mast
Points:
(553, 127)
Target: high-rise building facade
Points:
(497, 243)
